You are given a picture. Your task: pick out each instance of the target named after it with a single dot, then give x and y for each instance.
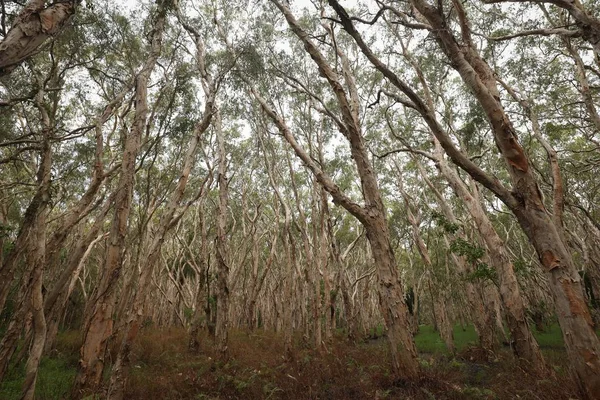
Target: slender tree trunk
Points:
(391, 297)
(441, 319)
(319, 259)
(289, 257)
(372, 215)
(524, 346)
(99, 322)
(57, 297)
(193, 343)
(349, 322)
(55, 309)
(349, 318)
(525, 201)
(26, 232)
(200, 303)
(222, 327)
(30, 242)
(288, 323)
(133, 318)
(35, 257)
(481, 310)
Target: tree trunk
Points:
(391, 300)
(31, 28)
(222, 326)
(439, 307)
(372, 215)
(99, 322)
(35, 257)
(525, 201)
(8, 345)
(201, 271)
(442, 320)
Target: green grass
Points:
(429, 341)
(54, 380)
(377, 331)
(551, 338)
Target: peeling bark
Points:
(583, 346)
(34, 25)
(99, 322)
(372, 215)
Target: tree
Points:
(524, 200)
(372, 215)
(34, 25)
(99, 323)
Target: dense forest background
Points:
(300, 177)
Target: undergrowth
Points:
(162, 368)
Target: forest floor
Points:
(162, 368)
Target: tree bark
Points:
(525, 201)
(481, 311)
(442, 321)
(222, 326)
(391, 297)
(35, 256)
(31, 28)
(587, 23)
(524, 346)
(201, 271)
(99, 323)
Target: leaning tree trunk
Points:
(372, 215)
(57, 297)
(132, 320)
(391, 297)
(133, 317)
(525, 201)
(222, 326)
(99, 322)
(35, 24)
(201, 273)
(481, 309)
(287, 243)
(441, 319)
(55, 309)
(31, 240)
(525, 345)
(34, 258)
